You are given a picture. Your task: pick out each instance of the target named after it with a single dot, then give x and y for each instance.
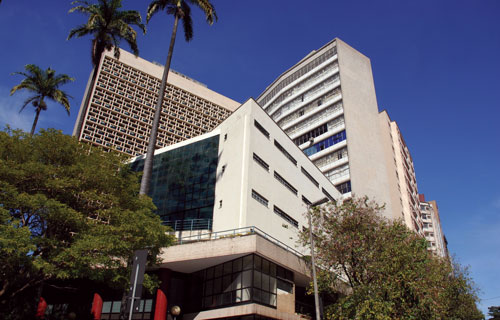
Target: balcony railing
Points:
(189, 225)
(240, 232)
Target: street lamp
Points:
(315, 281)
(175, 311)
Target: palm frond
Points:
(43, 84)
(28, 101)
(154, 7)
(207, 8)
(187, 22)
(106, 23)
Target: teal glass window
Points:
(183, 184)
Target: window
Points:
(306, 201)
(246, 279)
(285, 216)
(261, 129)
(285, 183)
(262, 163)
(328, 142)
(344, 187)
(316, 183)
(327, 194)
(289, 156)
(259, 198)
(111, 309)
(311, 134)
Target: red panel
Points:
(40, 310)
(161, 305)
(96, 307)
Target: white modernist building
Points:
(236, 198)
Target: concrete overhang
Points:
(196, 256)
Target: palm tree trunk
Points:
(148, 163)
(38, 109)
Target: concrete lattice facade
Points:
(122, 106)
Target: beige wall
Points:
(391, 164)
(366, 157)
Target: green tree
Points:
(43, 84)
(108, 25)
(180, 10)
(494, 313)
(383, 269)
(67, 211)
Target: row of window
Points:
(297, 74)
(250, 278)
(262, 200)
(328, 142)
(311, 134)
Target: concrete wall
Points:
(366, 157)
(392, 168)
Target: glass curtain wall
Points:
(250, 279)
(183, 184)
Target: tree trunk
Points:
(148, 163)
(37, 114)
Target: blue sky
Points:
(435, 63)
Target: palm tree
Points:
(180, 10)
(44, 84)
(108, 25)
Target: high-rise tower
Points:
(326, 103)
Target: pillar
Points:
(96, 307)
(161, 295)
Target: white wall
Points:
(242, 174)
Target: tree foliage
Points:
(67, 211)
(385, 268)
(43, 84)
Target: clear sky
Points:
(436, 67)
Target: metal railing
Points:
(233, 233)
(189, 224)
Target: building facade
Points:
(432, 227)
(237, 198)
(122, 102)
(326, 103)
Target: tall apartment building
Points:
(326, 103)
(432, 228)
(122, 103)
(401, 174)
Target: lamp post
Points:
(311, 240)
